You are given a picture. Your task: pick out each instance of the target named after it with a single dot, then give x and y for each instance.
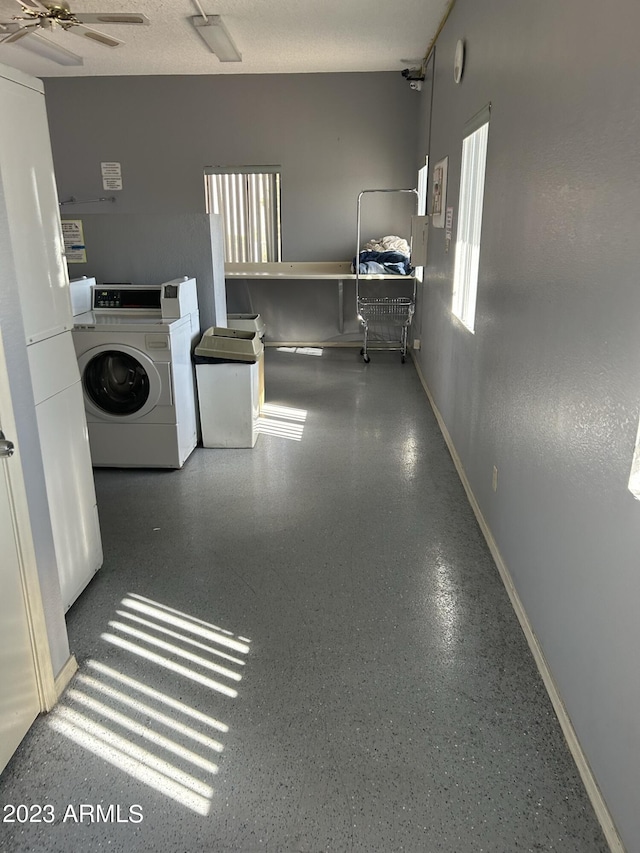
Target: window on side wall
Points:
(634, 477)
(248, 197)
(423, 175)
(470, 203)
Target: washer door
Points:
(119, 382)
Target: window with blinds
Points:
(423, 176)
(470, 203)
(248, 197)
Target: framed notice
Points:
(73, 237)
(439, 193)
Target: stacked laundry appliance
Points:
(37, 245)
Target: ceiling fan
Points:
(40, 16)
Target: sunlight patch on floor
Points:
(317, 351)
(282, 421)
(136, 762)
(159, 740)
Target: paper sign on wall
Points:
(73, 237)
(439, 193)
(111, 176)
(448, 228)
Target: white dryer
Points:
(134, 354)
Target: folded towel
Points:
(388, 244)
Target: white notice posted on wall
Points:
(448, 229)
(73, 236)
(111, 176)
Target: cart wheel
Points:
(366, 359)
(403, 359)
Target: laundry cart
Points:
(385, 317)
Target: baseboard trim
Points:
(593, 791)
(64, 677)
(320, 344)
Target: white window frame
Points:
(248, 198)
(634, 476)
(423, 180)
(470, 205)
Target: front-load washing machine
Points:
(134, 355)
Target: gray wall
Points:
(150, 248)
(25, 416)
(548, 388)
(332, 134)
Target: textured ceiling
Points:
(273, 36)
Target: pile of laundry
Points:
(385, 256)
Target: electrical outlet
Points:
(416, 343)
(494, 479)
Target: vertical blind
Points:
(249, 201)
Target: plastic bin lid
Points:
(230, 345)
(247, 322)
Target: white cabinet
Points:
(19, 699)
(26, 166)
(67, 463)
(31, 196)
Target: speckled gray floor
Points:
(301, 647)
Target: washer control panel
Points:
(127, 298)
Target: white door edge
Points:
(26, 552)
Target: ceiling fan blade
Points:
(49, 49)
(32, 6)
(94, 35)
(18, 34)
(111, 18)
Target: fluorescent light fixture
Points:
(217, 37)
(49, 49)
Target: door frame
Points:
(46, 683)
